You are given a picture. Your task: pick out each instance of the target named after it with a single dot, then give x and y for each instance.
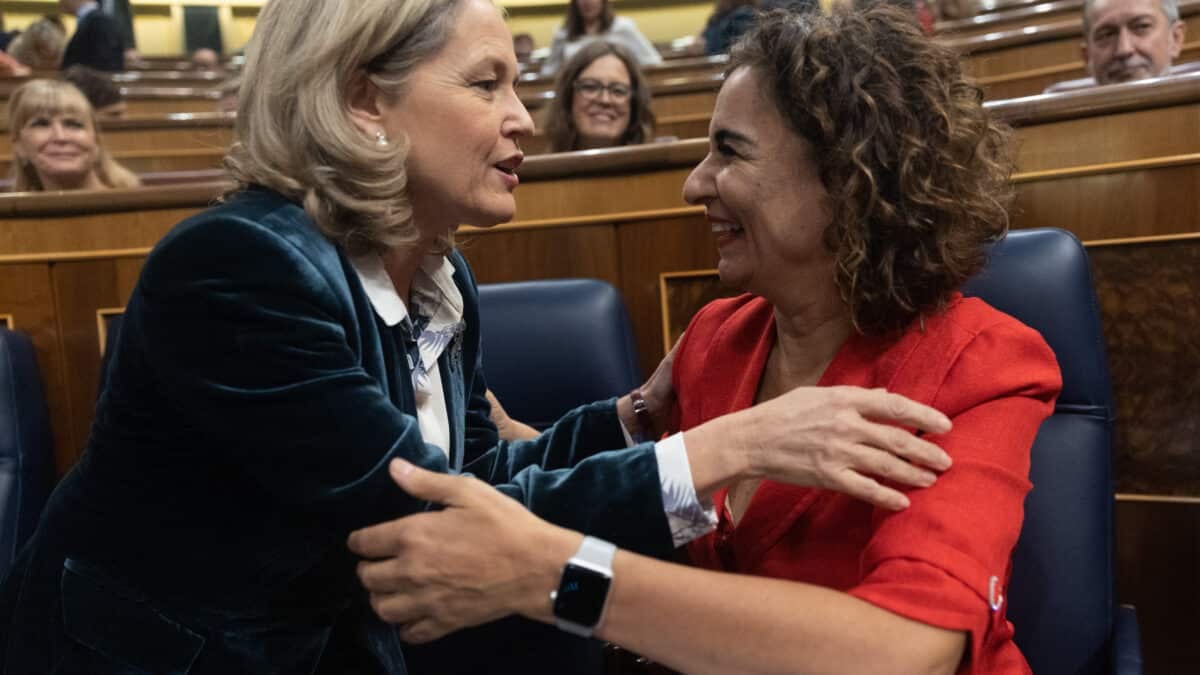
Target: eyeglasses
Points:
(595, 89)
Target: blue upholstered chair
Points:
(549, 346)
(26, 450)
(1061, 595)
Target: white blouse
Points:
(435, 295)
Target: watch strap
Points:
(595, 553)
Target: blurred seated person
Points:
(851, 263)
(601, 100)
(97, 41)
(523, 47)
(1126, 40)
(40, 46)
(104, 94)
(206, 59)
(730, 18)
(55, 142)
(589, 20)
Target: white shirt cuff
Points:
(688, 517)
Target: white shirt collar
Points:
(379, 288)
(87, 8)
(433, 290)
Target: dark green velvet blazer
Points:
(254, 401)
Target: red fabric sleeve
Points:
(934, 561)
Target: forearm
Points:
(700, 621)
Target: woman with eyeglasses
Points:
(601, 100)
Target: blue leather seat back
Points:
(549, 346)
(1061, 594)
(26, 450)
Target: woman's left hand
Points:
(481, 558)
(508, 428)
(659, 393)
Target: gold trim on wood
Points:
(74, 256)
(689, 117)
(1029, 74)
(102, 316)
(1167, 162)
(1155, 499)
(1156, 239)
(575, 221)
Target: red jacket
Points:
(944, 561)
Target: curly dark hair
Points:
(558, 121)
(917, 170)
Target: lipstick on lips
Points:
(508, 169)
(724, 231)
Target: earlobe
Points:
(1083, 51)
(1177, 33)
(362, 100)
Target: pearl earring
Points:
(381, 139)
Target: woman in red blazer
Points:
(852, 182)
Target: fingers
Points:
(383, 576)
(378, 541)
(878, 404)
(901, 443)
(421, 631)
(886, 465)
(431, 486)
(869, 490)
(397, 608)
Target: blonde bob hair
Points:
(52, 97)
(40, 45)
(294, 132)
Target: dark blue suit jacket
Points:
(254, 401)
(97, 43)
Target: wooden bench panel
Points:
(1010, 19)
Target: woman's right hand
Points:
(837, 438)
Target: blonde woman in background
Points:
(40, 46)
(56, 143)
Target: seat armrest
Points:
(1127, 642)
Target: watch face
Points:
(581, 595)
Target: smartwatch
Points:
(582, 592)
